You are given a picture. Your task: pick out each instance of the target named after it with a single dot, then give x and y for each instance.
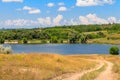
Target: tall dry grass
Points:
(40, 66)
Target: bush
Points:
(114, 50)
(2, 41)
(84, 39)
(25, 41)
(5, 50)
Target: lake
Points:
(62, 48)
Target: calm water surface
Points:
(61, 48)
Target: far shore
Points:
(91, 41)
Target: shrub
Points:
(2, 41)
(5, 50)
(84, 39)
(114, 50)
(25, 41)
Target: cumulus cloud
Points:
(93, 2)
(41, 22)
(18, 23)
(62, 9)
(44, 21)
(30, 10)
(92, 19)
(83, 20)
(50, 21)
(12, 0)
(112, 20)
(73, 22)
(50, 4)
(57, 19)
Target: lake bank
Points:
(47, 66)
(90, 41)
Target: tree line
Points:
(73, 34)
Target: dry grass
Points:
(40, 66)
(104, 41)
(116, 61)
(46, 66)
(92, 75)
(114, 36)
(112, 58)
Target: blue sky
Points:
(44, 13)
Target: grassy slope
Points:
(39, 66)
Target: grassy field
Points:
(47, 66)
(40, 66)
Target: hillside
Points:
(109, 33)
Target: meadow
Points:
(39, 66)
(48, 66)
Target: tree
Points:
(83, 39)
(114, 50)
(25, 41)
(2, 40)
(54, 39)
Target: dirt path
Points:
(107, 74)
(76, 76)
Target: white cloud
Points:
(50, 4)
(73, 22)
(18, 23)
(41, 22)
(44, 21)
(61, 3)
(27, 8)
(83, 20)
(93, 2)
(62, 9)
(112, 20)
(34, 11)
(57, 19)
(12, 0)
(92, 19)
(30, 10)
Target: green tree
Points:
(2, 40)
(54, 39)
(114, 50)
(25, 41)
(83, 39)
